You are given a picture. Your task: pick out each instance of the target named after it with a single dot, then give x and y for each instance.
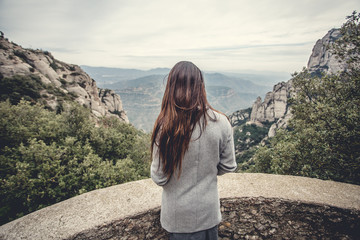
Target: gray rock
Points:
(239, 117)
(274, 106)
(323, 60)
(68, 78)
(113, 102)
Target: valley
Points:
(141, 91)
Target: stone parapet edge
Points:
(92, 209)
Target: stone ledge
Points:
(102, 207)
(246, 218)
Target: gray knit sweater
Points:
(191, 203)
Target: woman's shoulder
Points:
(218, 117)
(218, 125)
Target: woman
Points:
(191, 144)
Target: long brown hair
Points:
(183, 104)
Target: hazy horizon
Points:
(245, 71)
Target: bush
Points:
(47, 157)
(247, 138)
(18, 87)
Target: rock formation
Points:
(67, 78)
(275, 107)
(321, 59)
(239, 117)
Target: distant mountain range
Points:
(141, 91)
(107, 75)
(104, 75)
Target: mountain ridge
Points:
(59, 82)
(253, 128)
(275, 107)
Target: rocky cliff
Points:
(240, 117)
(275, 107)
(321, 59)
(68, 79)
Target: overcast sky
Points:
(217, 35)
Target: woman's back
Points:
(191, 203)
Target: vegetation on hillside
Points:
(247, 138)
(18, 87)
(47, 157)
(324, 136)
(31, 88)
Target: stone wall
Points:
(254, 206)
(247, 218)
(273, 218)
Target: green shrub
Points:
(47, 157)
(247, 138)
(17, 87)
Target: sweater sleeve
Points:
(227, 153)
(157, 174)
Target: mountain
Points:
(141, 91)
(275, 107)
(321, 59)
(142, 99)
(142, 96)
(228, 94)
(56, 82)
(107, 75)
(268, 115)
(263, 78)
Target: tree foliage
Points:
(324, 140)
(47, 157)
(18, 87)
(247, 137)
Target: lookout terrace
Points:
(254, 206)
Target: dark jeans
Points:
(209, 234)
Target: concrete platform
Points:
(92, 209)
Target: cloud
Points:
(220, 35)
(239, 47)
